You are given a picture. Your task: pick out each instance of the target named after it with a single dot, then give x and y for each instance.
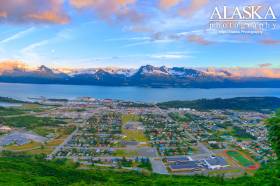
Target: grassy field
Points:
(125, 153)
(240, 158)
(132, 135)
(36, 148)
(129, 117)
(32, 107)
(10, 111)
(31, 122)
(55, 142)
(24, 147)
(44, 131)
(45, 150)
(220, 172)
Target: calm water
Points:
(25, 91)
(2, 104)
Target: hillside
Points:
(239, 103)
(35, 171)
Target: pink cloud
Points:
(270, 41)
(245, 72)
(193, 7)
(193, 38)
(110, 10)
(166, 4)
(33, 11)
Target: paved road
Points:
(59, 147)
(201, 146)
(158, 166)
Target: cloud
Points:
(3, 14)
(170, 56)
(18, 35)
(193, 7)
(110, 10)
(270, 42)
(265, 65)
(245, 72)
(9, 65)
(193, 38)
(166, 4)
(33, 51)
(30, 49)
(33, 11)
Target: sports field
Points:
(240, 159)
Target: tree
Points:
(273, 125)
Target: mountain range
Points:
(146, 76)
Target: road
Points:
(158, 166)
(201, 146)
(59, 147)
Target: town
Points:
(137, 136)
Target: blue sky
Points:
(129, 33)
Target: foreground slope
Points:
(32, 171)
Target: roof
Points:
(187, 165)
(177, 159)
(216, 161)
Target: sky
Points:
(131, 33)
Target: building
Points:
(216, 163)
(5, 129)
(177, 159)
(187, 166)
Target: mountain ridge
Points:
(146, 76)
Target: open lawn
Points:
(132, 135)
(129, 117)
(25, 147)
(55, 142)
(240, 159)
(125, 153)
(35, 148)
(32, 107)
(31, 122)
(44, 131)
(220, 172)
(10, 111)
(44, 150)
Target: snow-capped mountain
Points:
(144, 76)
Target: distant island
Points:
(145, 76)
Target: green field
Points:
(10, 111)
(240, 158)
(132, 135)
(30, 122)
(129, 117)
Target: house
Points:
(5, 129)
(216, 163)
